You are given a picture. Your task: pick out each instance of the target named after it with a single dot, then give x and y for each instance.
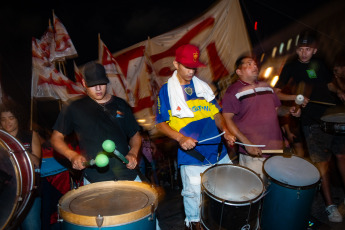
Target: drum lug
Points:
(59, 220)
(99, 220)
(152, 212)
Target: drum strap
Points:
(142, 177)
(196, 154)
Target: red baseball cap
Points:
(188, 55)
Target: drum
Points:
(230, 197)
(333, 121)
(292, 183)
(109, 205)
(16, 179)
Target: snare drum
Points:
(109, 205)
(16, 179)
(230, 197)
(333, 121)
(293, 182)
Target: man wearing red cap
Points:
(188, 112)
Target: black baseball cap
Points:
(94, 74)
(307, 39)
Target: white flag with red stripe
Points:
(220, 34)
(47, 81)
(118, 83)
(62, 47)
(78, 75)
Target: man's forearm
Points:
(135, 144)
(59, 145)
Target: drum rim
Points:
(306, 187)
(19, 205)
(18, 192)
(114, 220)
(229, 202)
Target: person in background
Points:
(314, 80)
(251, 110)
(11, 122)
(148, 150)
(188, 112)
(339, 71)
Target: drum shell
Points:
(218, 213)
(287, 206)
(143, 224)
(333, 127)
(333, 120)
(16, 194)
(143, 218)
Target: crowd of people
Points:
(252, 113)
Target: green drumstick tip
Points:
(101, 160)
(108, 146)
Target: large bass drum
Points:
(120, 205)
(230, 197)
(16, 179)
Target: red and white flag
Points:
(47, 81)
(62, 47)
(77, 74)
(118, 84)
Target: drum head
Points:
(232, 183)
(9, 187)
(118, 202)
(334, 114)
(294, 171)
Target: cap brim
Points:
(193, 65)
(93, 83)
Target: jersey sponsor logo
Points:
(200, 108)
(311, 73)
(119, 114)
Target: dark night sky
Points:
(120, 24)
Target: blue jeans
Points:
(191, 192)
(32, 220)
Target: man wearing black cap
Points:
(188, 112)
(95, 118)
(310, 77)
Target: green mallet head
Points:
(101, 160)
(108, 146)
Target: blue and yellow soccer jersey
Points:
(200, 127)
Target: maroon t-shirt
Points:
(255, 112)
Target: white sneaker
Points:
(333, 214)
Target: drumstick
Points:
(240, 143)
(272, 151)
(109, 146)
(322, 103)
(101, 160)
(298, 101)
(211, 138)
(286, 152)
